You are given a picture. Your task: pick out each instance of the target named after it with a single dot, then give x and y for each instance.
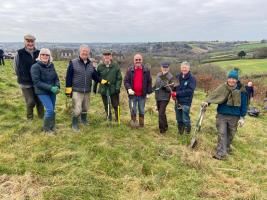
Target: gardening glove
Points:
(147, 96)
(68, 91)
(130, 92)
(173, 95)
(103, 81)
(241, 122)
(54, 89)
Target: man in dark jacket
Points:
(183, 96)
(231, 98)
(2, 61)
(23, 62)
(138, 83)
(163, 88)
(80, 74)
(110, 91)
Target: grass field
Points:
(247, 66)
(107, 161)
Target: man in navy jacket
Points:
(183, 96)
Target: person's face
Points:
(30, 44)
(138, 60)
(231, 82)
(185, 69)
(84, 53)
(164, 70)
(107, 58)
(250, 84)
(44, 58)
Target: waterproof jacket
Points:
(112, 74)
(147, 80)
(44, 76)
(80, 75)
(185, 89)
(163, 93)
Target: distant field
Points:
(247, 66)
(249, 47)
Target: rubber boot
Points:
(75, 121)
(84, 119)
(47, 124)
(53, 123)
(141, 121)
(181, 128)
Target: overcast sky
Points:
(133, 20)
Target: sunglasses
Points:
(138, 59)
(45, 55)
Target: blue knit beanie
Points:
(233, 74)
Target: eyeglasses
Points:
(45, 55)
(30, 41)
(138, 59)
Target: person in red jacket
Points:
(138, 83)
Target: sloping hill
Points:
(107, 161)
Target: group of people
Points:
(40, 84)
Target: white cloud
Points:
(133, 20)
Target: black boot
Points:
(188, 129)
(75, 121)
(53, 123)
(84, 119)
(181, 128)
(47, 124)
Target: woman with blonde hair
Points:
(46, 86)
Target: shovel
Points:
(193, 142)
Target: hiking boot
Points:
(141, 121)
(181, 128)
(84, 119)
(133, 122)
(75, 121)
(188, 129)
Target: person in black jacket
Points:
(183, 96)
(80, 74)
(2, 61)
(46, 86)
(23, 61)
(250, 91)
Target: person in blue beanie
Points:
(231, 98)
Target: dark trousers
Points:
(31, 101)
(2, 61)
(227, 127)
(161, 106)
(115, 101)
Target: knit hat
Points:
(233, 74)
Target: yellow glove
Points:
(68, 91)
(103, 81)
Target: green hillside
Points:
(107, 161)
(247, 66)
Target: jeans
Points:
(182, 115)
(32, 100)
(133, 101)
(49, 102)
